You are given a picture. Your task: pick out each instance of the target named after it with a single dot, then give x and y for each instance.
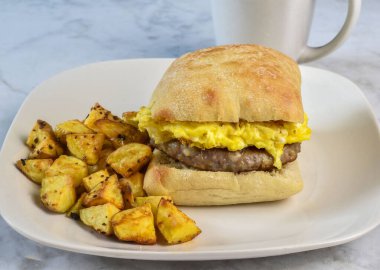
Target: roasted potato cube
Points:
(74, 210)
(99, 217)
(98, 112)
(129, 158)
(136, 182)
(120, 133)
(70, 127)
(92, 180)
(41, 131)
(42, 141)
(174, 225)
(102, 162)
(86, 147)
(34, 169)
(47, 147)
(128, 117)
(107, 191)
(72, 166)
(110, 128)
(136, 225)
(58, 193)
(153, 201)
(126, 191)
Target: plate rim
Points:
(194, 255)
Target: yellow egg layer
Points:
(272, 136)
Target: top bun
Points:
(228, 84)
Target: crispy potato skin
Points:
(42, 141)
(120, 133)
(132, 187)
(128, 118)
(174, 225)
(136, 181)
(34, 169)
(47, 148)
(129, 158)
(107, 191)
(126, 191)
(102, 161)
(99, 217)
(93, 179)
(68, 165)
(58, 193)
(97, 112)
(86, 147)
(70, 127)
(136, 225)
(40, 131)
(153, 201)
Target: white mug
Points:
(280, 24)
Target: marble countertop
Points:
(39, 38)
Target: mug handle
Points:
(312, 53)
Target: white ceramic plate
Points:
(340, 167)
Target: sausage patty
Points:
(220, 159)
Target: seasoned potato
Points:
(107, 191)
(99, 217)
(34, 169)
(120, 133)
(136, 225)
(46, 148)
(70, 127)
(78, 165)
(110, 128)
(102, 162)
(58, 193)
(98, 112)
(41, 131)
(74, 210)
(42, 141)
(136, 181)
(128, 117)
(129, 158)
(86, 147)
(68, 165)
(174, 225)
(126, 191)
(153, 201)
(93, 179)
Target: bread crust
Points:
(228, 84)
(192, 187)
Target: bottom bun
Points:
(188, 186)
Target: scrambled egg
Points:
(272, 136)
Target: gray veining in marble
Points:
(39, 38)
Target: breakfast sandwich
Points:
(227, 124)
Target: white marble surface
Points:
(39, 38)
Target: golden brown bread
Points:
(192, 187)
(230, 83)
